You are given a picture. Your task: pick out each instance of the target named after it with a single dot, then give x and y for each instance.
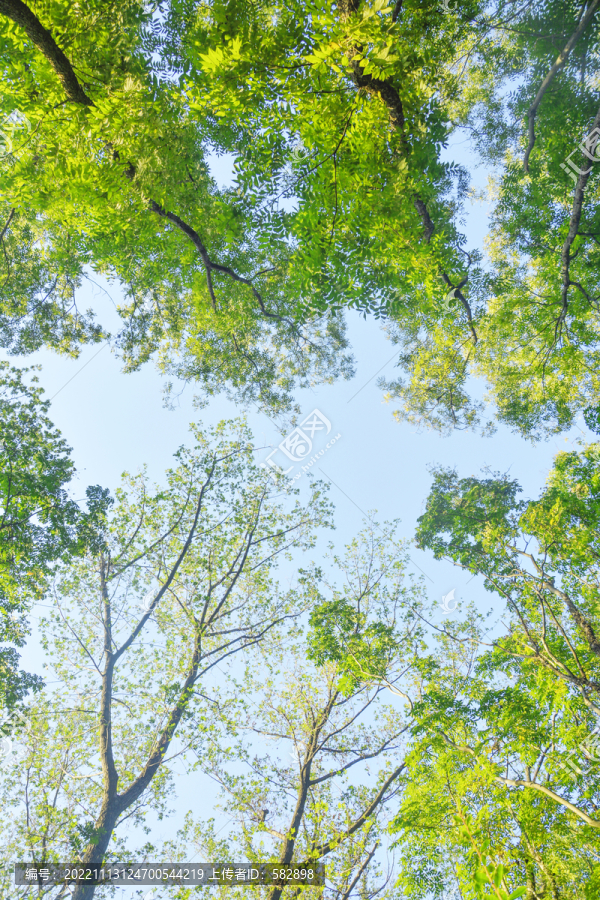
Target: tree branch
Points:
(556, 797)
(319, 850)
(209, 265)
(576, 614)
(456, 291)
(8, 221)
(527, 783)
(560, 61)
(365, 862)
(22, 16)
(572, 234)
(173, 571)
(425, 218)
(397, 10)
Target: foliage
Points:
(524, 713)
(499, 781)
(118, 181)
(307, 772)
(337, 120)
(38, 304)
(503, 792)
(591, 416)
(310, 765)
(346, 112)
(534, 305)
(180, 581)
(39, 523)
(362, 626)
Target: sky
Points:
(116, 422)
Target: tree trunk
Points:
(94, 855)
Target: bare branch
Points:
(322, 849)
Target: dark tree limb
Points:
(386, 91)
(384, 88)
(209, 265)
(429, 227)
(392, 100)
(566, 256)
(8, 221)
(425, 218)
(397, 10)
(19, 13)
(22, 16)
(319, 850)
(456, 291)
(559, 63)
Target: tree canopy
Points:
(39, 522)
(338, 119)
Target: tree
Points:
(502, 797)
(529, 101)
(346, 112)
(38, 305)
(303, 808)
(311, 761)
(113, 175)
(39, 523)
(336, 120)
(493, 798)
(513, 736)
(540, 556)
(494, 803)
(178, 581)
